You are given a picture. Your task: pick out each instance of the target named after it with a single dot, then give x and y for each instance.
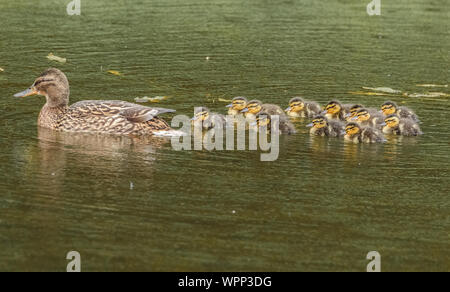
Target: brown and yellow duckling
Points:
(237, 105)
(321, 126)
(367, 118)
(207, 120)
(264, 120)
(92, 116)
(255, 106)
(389, 108)
(356, 134)
(299, 108)
(398, 126)
(335, 110)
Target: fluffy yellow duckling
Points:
(321, 126)
(92, 116)
(389, 108)
(356, 134)
(398, 126)
(299, 108)
(335, 110)
(237, 105)
(255, 106)
(264, 120)
(366, 118)
(207, 120)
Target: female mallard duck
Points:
(93, 116)
(356, 134)
(255, 106)
(334, 110)
(207, 120)
(389, 108)
(299, 108)
(398, 126)
(237, 105)
(321, 126)
(366, 118)
(264, 120)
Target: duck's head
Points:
(253, 107)
(353, 110)
(361, 116)
(392, 121)
(333, 107)
(238, 103)
(352, 129)
(318, 122)
(296, 105)
(263, 119)
(389, 108)
(52, 84)
(201, 114)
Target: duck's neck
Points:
(50, 116)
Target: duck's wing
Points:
(107, 108)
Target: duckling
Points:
(356, 134)
(264, 119)
(389, 108)
(92, 116)
(300, 108)
(398, 126)
(321, 126)
(237, 105)
(334, 110)
(255, 106)
(208, 120)
(367, 119)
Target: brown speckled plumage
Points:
(96, 116)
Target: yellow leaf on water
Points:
(224, 100)
(114, 72)
(52, 57)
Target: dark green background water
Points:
(322, 206)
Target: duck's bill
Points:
(347, 116)
(383, 124)
(288, 109)
(194, 119)
(230, 105)
(354, 119)
(324, 112)
(28, 92)
(244, 110)
(310, 125)
(254, 124)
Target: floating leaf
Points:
(52, 57)
(383, 89)
(114, 72)
(150, 99)
(368, 93)
(432, 85)
(224, 100)
(427, 95)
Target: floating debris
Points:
(150, 99)
(131, 186)
(52, 57)
(369, 93)
(432, 85)
(114, 72)
(224, 100)
(2, 70)
(426, 95)
(383, 90)
(208, 58)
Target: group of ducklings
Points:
(354, 122)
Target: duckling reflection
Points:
(398, 126)
(299, 108)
